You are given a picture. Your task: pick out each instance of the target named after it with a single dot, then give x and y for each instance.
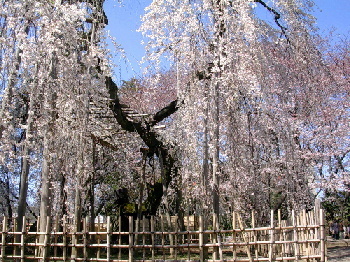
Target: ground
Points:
(338, 251)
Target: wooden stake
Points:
(131, 239)
(281, 235)
(98, 237)
(55, 237)
(3, 238)
(162, 229)
(120, 237)
(215, 237)
(323, 236)
(201, 238)
(234, 251)
(64, 239)
(152, 236)
(175, 237)
(108, 238)
(188, 237)
(245, 238)
(36, 253)
(295, 236)
(144, 237)
(255, 234)
(85, 231)
(24, 231)
(46, 239)
(271, 236)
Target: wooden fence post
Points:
(152, 236)
(144, 237)
(108, 238)
(15, 239)
(46, 238)
(322, 236)
(295, 236)
(215, 237)
(201, 238)
(56, 236)
(272, 225)
(85, 233)
(74, 252)
(245, 238)
(120, 236)
(23, 233)
(234, 251)
(255, 235)
(131, 240)
(98, 237)
(64, 239)
(162, 229)
(37, 236)
(3, 239)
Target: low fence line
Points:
(301, 238)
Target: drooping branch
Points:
(277, 17)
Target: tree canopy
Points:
(250, 114)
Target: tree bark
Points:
(164, 152)
(45, 201)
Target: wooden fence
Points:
(300, 238)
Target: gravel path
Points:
(338, 254)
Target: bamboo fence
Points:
(300, 238)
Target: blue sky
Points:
(124, 20)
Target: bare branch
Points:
(276, 18)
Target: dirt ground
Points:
(338, 251)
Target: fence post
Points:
(322, 236)
(98, 237)
(64, 239)
(245, 237)
(144, 239)
(131, 240)
(15, 239)
(295, 236)
(22, 237)
(85, 233)
(108, 238)
(152, 236)
(74, 252)
(234, 252)
(3, 238)
(56, 236)
(215, 237)
(201, 238)
(255, 235)
(46, 238)
(120, 236)
(37, 237)
(272, 225)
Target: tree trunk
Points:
(23, 190)
(155, 145)
(45, 201)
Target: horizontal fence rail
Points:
(300, 238)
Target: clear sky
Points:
(124, 20)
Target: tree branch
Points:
(165, 112)
(102, 142)
(116, 107)
(155, 145)
(276, 18)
